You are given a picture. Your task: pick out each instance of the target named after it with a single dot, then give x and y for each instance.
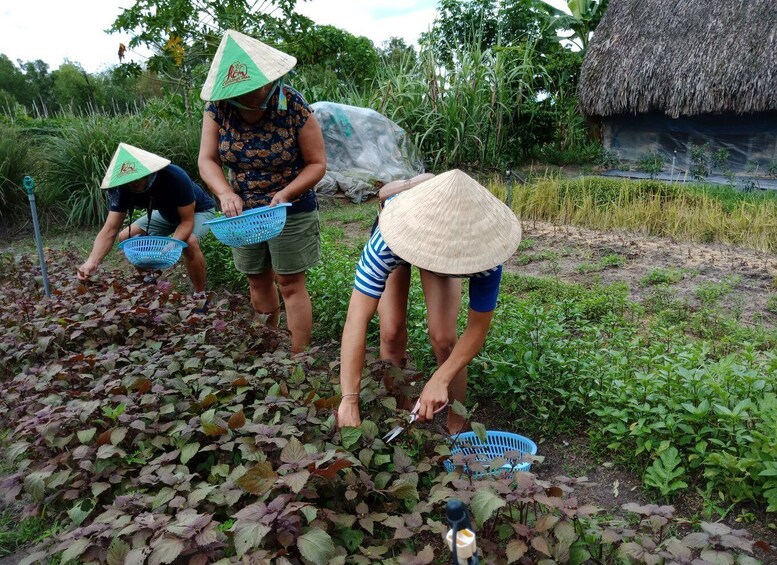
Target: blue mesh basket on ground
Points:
(250, 227)
(496, 445)
(152, 251)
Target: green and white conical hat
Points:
(130, 163)
(243, 64)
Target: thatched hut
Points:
(673, 75)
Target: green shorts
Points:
(160, 226)
(296, 250)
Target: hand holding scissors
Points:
(392, 435)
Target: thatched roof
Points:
(682, 57)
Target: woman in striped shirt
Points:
(450, 227)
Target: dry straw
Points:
(694, 57)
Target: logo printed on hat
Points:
(237, 72)
(127, 168)
(241, 69)
(130, 163)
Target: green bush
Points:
(18, 157)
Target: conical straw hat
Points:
(451, 225)
(130, 163)
(243, 64)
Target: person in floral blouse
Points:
(266, 136)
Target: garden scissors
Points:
(392, 435)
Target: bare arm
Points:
(361, 309)
(396, 186)
(211, 172)
(103, 243)
(311, 145)
(435, 393)
(186, 227)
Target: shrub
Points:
(18, 157)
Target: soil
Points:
(576, 254)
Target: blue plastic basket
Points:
(250, 227)
(496, 445)
(152, 251)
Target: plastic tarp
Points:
(749, 142)
(364, 151)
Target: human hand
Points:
(231, 204)
(279, 198)
(169, 247)
(348, 412)
(433, 398)
(86, 270)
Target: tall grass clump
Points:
(691, 213)
(77, 156)
(464, 114)
(18, 157)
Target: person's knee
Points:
(291, 284)
(442, 343)
(260, 282)
(123, 234)
(393, 336)
(192, 248)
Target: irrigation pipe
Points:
(29, 188)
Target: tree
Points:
(348, 57)
(12, 80)
(73, 87)
(40, 86)
(582, 19)
(487, 23)
(395, 52)
(184, 34)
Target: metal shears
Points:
(392, 435)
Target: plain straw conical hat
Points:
(243, 64)
(450, 224)
(130, 163)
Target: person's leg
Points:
(299, 309)
(293, 252)
(264, 296)
(392, 312)
(125, 233)
(195, 263)
(192, 254)
(443, 300)
(254, 262)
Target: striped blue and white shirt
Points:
(378, 261)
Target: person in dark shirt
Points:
(175, 206)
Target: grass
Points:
(662, 277)
(558, 349)
(699, 213)
(610, 261)
(17, 533)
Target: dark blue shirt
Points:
(172, 189)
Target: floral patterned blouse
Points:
(264, 157)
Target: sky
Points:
(56, 30)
